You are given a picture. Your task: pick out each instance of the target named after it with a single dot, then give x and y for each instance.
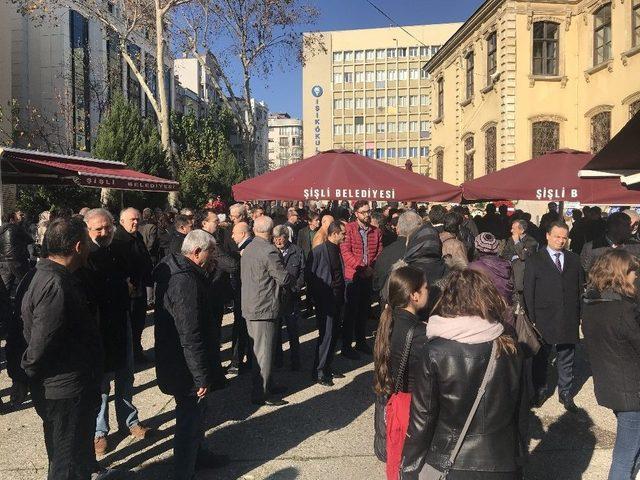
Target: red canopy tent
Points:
(344, 175)
(550, 177)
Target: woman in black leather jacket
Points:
(612, 336)
(408, 297)
(465, 323)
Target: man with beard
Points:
(105, 278)
(128, 243)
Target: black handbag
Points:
(529, 338)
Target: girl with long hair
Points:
(462, 330)
(610, 323)
(408, 295)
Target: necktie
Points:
(558, 264)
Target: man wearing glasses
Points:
(360, 249)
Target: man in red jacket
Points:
(361, 247)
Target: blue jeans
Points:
(627, 447)
(126, 412)
(189, 435)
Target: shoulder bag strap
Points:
(403, 362)
(483, 386)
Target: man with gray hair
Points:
(263, 275)
(128, 242)
(185, 350)
(517, 249)
(238, 213)
(408, 222)
(105, 280)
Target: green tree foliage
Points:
(207, 165)
(125, 136)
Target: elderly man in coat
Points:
(293, 260)
(185, 351)
(263, 275)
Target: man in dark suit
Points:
(326, 273)
(553, 284)
(518, 248)
(306, 234)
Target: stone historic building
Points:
(520, 78)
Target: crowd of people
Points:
(453, 293)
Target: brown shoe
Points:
(100, 445)
(139, 431)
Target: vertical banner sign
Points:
(317, 92)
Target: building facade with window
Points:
(285, 140)
(521, 78)
(66, 66)
(368, 93)
(259, 164)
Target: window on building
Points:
(370, 128)
(348, 129)
(359, 77)
(413, 51)
(381, 54)
(469, 152)
(391, 53)
(490, 151)
(600, 131)
(545, 137)
(337, 129)
(391, 127)
(424, 151)
(359, 103)
(440, 97)
(337, 57)
(391, 153)
(469, 74)
(114, 65)
(337, 78)
(545, 48)
(348, 56)
(381, 75)
(381, 102)
(413, 100)
(80, 94)
(634, 108)
(635, 23)
(152, 82)
(391, 101)
(402, 74)
(380, 153)
(348, 103)
(337, 104)
(424, 75)
(425, 128)
(602, 34)
(133, 86)
(434, 49)
(414, 74)
(371, 102)
(402, 152)
(359, 128)
(402, 101)
(359, 54)
(284, 141)
(402, 127)
(413, 152)
(348, 77)
(424, 51)
(370, 76)
(380, 127)
(392, 75)
(424, 100)
(440, 165)
(370, 152)
(413, 126)
(370, 54)
(402, 52)
(492, 55)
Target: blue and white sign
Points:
(317, 91)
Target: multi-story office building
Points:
(368, 93)
(259, 164)
(285, 140)
(66, 66)
(523, 77)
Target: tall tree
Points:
(258, 36)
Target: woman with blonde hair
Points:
(468, 408)
(611, 328)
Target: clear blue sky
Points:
(282, 91)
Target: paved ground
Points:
(323, 433)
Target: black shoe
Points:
(278, 389)
(326, 382)
(539, 398)
(350, 353)
(569, 405)
(336, 375)
(140, 358)
(208, 459)
(233, 370)
(270, 402)
(364, 348)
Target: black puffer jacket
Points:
(611, 326)
(444, 392)
(13, 243)
(402, 322)
(184, 330)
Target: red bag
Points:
(397, 415)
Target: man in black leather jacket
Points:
(14, 256)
